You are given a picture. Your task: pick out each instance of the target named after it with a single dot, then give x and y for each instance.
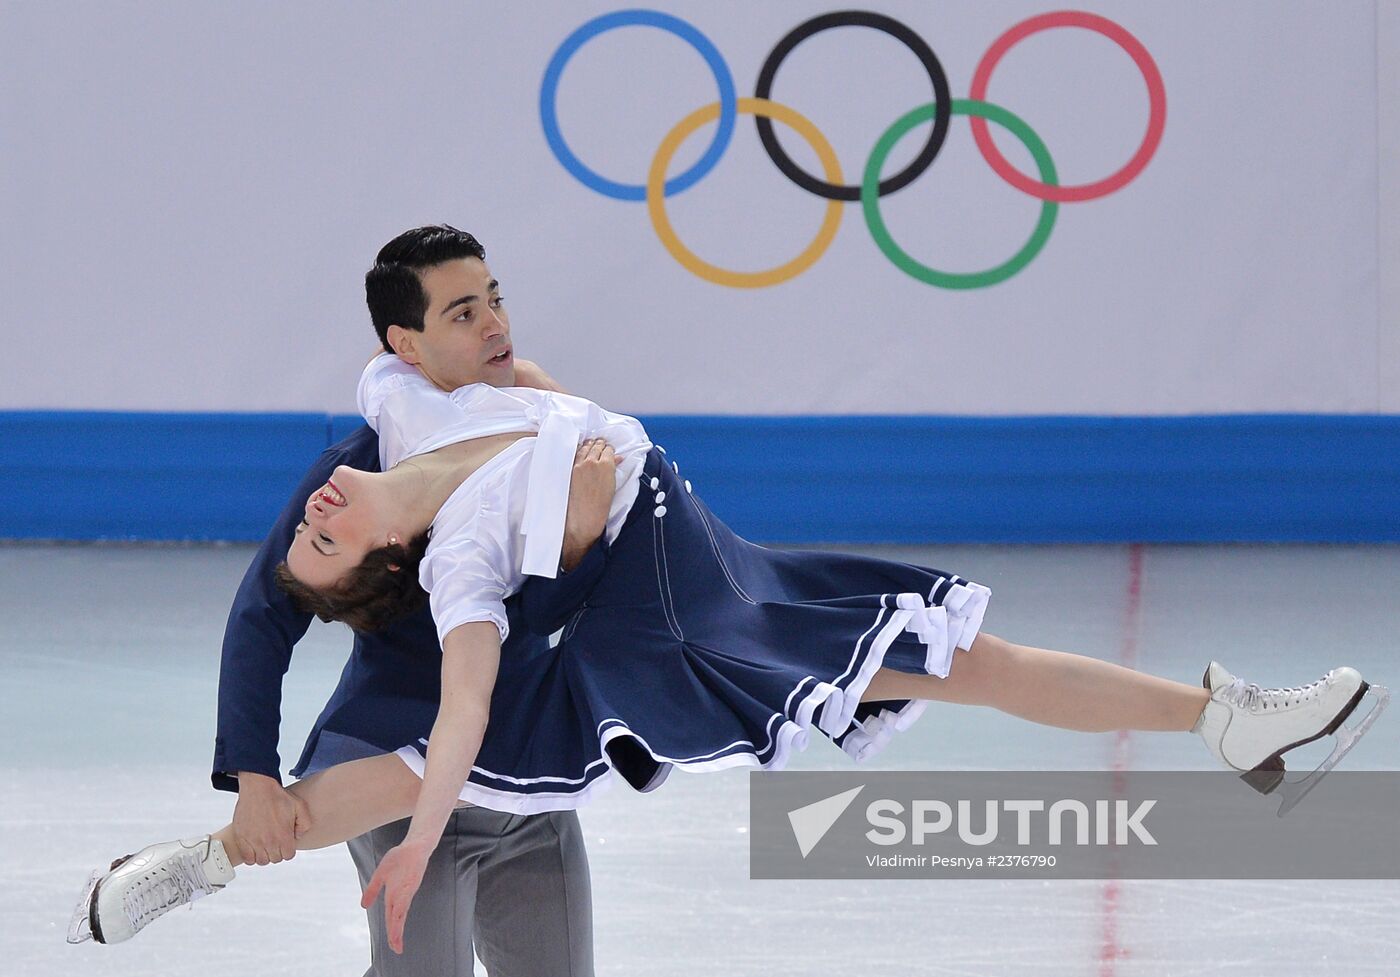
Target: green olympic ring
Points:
(870, 196)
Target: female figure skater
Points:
(696, 649)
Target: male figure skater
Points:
(515, 886)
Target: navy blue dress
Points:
(700, 650)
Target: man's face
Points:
(466, 331)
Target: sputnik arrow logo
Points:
(811, 822)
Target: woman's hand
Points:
(399, 875)
(590, 498)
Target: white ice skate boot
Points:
(1249, 728)
(143, 887)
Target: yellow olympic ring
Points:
(656, 198)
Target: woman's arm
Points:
(471, 655)
(530, 374)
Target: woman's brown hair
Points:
(382, 589)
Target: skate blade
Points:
(80, 927)
(1292, 792)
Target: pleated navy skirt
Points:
(699, 650)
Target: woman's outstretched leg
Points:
(1052, 688)
(344, 802)
(1245, 727)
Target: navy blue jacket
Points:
(388, 692)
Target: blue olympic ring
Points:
(728, 106)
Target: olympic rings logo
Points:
(830, 185)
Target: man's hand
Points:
(399, 875)
(267, 819)
(529, 374)
(590, 497)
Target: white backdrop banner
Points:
(1138, 208)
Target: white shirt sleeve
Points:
(382, 376)
(466, 576)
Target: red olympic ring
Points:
(1156, 94)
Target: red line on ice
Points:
(1111, 949)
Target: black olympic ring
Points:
(855, 18)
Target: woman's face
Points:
(345, 519)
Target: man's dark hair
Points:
(392, 287)
(371, 596)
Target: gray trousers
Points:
(515, 886)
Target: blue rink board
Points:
(867, 479)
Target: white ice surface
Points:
(109, 663)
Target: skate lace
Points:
(1252, 696)
(181, 878)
